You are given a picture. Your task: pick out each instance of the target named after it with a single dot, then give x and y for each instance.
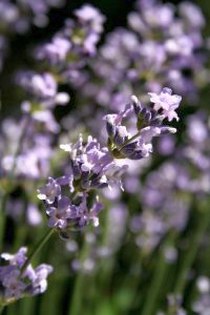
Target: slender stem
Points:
(37, 248)
(191, 253)
(2, 218)
(77, 297)
(76, 300)
(106, 266)
(158, 279)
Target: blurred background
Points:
(134, 275)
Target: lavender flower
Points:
(56, 51)
(69, 49)
(38, 278)
(149, 125)
(43, 88)
(27, 146)
(160, 47)
(91, 167)
(50, 192)
(94, 167)
(16, 283)
(166, 102)
(58, 215)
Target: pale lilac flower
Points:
(192, 14)
(50, 191)
(38, 278)
(92, 164)
(58, 215)
(166, 102)
(43, 88)
(149, 125)
(13, 286)
(71, 48)
(161, 46)
(34, 217)
(159, 15)
(16, 284)
(87, 14)
(17, 259)
(56, 51)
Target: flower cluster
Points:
(18, 280)
(160, 47)
(76, 42)
(97, 153)
(26, 146)
(27, 143)
(94, 167)
(91, 167)
(71, 48)
(148, 123)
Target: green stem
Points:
(76, 300)
(191, 253)
(157, 281)
(37, 248)
(2, 309)
(2, 219)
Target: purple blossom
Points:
(67, 216)
(91, 165)
(18, 259)
(58, 215)
(160, 47)
(192, 14)
(50, 191)
(34, 217)
(43, 87)
(56, 51)
(148, 125)
(15, 284)
(87, 14)
(38, 278)
(70, 48)
(166, 102)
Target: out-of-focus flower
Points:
(43, 89)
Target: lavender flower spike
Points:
(149, 124)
